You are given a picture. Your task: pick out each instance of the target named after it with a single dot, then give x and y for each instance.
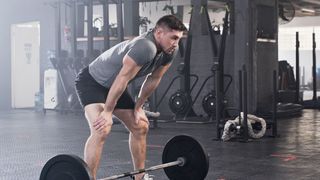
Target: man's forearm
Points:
(116, 90)
(148, 87)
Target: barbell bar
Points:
(179, 162)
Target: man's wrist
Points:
(108, 109)
(139, 102)
(137, 107)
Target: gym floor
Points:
(29, 139)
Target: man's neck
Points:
(159, 49)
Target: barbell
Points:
(183, 158)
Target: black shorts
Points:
(90, 91)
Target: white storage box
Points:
(50, 89)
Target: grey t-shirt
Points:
(141, 49)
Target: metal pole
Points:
(222, 49)
(297, 68)
(120, 21)
(245, 105)
(180, 161)
(73, 14)
(58, 28)
(185, 77)
(106, 42)
(187, 56)
(153, 108)
(275, 100)
(89, 28)
(218, 98)
(80, 20)
(240, 96)
(211, 35)
(314, 66)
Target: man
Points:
(101, 88)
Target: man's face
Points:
(168, 39)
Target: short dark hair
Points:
(171, 22)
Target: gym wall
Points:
(13, 12)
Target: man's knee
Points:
(141, 129)
(102, 133)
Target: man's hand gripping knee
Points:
(104, 120)
(139, 114)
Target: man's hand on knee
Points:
(139, 115)
(104, 120)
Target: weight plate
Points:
(209, 104)
(65, 167)
(197, 161)
(179, 102)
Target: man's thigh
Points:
(92, 112)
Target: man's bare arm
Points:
(127, 72)
(150, 84)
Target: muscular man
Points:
(102, 88)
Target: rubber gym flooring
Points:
(28, 139)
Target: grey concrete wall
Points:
(260, 58)
(266, 57)
(131, 14)
(243, 49)
(267, 62)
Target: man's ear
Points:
(158, 30)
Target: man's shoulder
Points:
(144, 44)
(144, 41)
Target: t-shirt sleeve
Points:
(168, 58)
(142, 51)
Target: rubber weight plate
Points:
(197, 161)
(65, 167)
(209, 103)
(179, 102)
